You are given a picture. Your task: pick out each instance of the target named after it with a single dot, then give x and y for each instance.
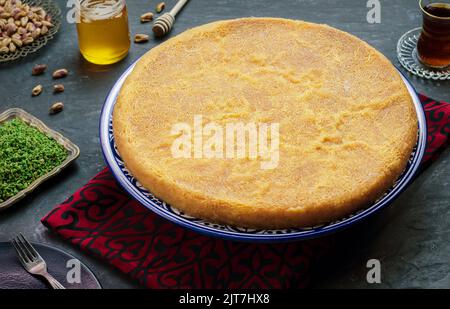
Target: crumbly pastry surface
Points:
(347, 122)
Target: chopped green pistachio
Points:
(25, 155)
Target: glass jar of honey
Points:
(103, 33)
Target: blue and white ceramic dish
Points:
(130, 184)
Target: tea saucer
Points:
(407, 56)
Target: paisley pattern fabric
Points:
(102, 219)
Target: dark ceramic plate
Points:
(14, 276)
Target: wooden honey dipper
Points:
(164, 23)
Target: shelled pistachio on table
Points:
(56, 108)
(60, 73)
(39, 69)
(160, 7)
(21, 24)
(145, 18)
(141, 38)
(58, 88)
(36, 90)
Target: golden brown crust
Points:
(347, 121)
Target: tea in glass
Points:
(433, 47)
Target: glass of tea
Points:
(433, 47)
(103, 33)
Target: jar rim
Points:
(100, 9)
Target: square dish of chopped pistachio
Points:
(30, 153)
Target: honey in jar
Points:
(103, 33)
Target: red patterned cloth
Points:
(438, 126)
(102, 219)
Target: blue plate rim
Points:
(403, 182)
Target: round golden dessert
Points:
(337, 109)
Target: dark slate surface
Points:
(411, 238)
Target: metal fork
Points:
(32, 261)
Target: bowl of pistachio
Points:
(26, 26)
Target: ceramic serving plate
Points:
(135, 189)
(72, 150)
